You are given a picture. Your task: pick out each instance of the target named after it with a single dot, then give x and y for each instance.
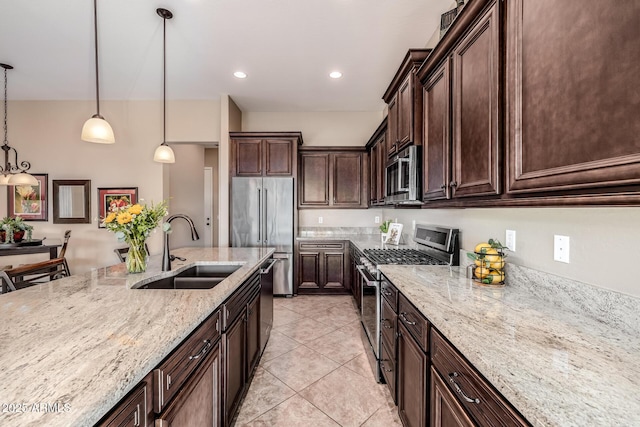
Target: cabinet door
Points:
(134, 411)
(314, 179)
(333, 271)
(308, 270)
(412, 381)
(198, 403)
(572, 98)
(475, 86)
(437, 146)
(278, 159)
(235, 367)
(405, 112)
(392, 121)
(253, 335)
(445, 409)
(381, 168)
(248, 157)
(373, 174)
(348, 173)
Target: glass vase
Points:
(137, 256)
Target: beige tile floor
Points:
(314, 371)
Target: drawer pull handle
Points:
(452, 380)
(385, 369)
(384, 325)
(136, 416)
(386, 292)
(205, 348)
(403, 316)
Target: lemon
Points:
(481, 246)
(497, 265)
(481, 272)
(494, 276)
(492, 255)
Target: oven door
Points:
(370, 317)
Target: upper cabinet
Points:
(461, 154)
(572, 96)
(333, 177)
(377, 161)
(264, 153)
(404, 101)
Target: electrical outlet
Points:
(320, 220)
(561, 248)
(377, 220)
(510, 240)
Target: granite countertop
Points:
(72, 348)
(557, 367)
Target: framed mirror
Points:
(71, 202)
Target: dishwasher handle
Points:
(369, 282)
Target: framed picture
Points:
(29, 202)
(71, 204)
(395, 233)
(110, 199)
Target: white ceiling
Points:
(287, 47)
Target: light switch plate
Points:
(561, 248)
(377, 220)
(320, 220)
(510, 240)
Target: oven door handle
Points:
(371, 283)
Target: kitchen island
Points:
(71, 349)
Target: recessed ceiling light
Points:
(240, 75)
(335, 74)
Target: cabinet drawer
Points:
(388, 328)
(485, 405)
(174, 371)
(415, 323)
(388, 368)
(390, 293)
(339, 246)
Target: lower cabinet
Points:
(445, 409)
(135, 410)
(412, 380)
(322, 267)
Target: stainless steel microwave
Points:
(402, 177)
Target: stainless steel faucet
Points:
(166, 257)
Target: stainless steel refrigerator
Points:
(262, 212)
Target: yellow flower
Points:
(124, 217)
(135, 209)
(110, 218)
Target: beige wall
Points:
(318, 128)
(211, 160)
(47, 134)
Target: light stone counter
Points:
(557, 367)
(81, 343)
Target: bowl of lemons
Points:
(489, 260)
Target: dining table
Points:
(35, 246)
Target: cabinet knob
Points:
(443, 186)
(453, 184)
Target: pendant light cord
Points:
(5, 107)
(164, 81)
(95, 29)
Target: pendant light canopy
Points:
(97, 129)
(164, 153)
(16, 173)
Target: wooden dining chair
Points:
(122, 252)
(34, 274)
(67, 235)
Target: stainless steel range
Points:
(435, 245)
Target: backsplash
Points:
(336, 231)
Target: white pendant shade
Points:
(4, 179)
(97, 130)
(23, 179)
(164, 154)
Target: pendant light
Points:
(97, 129)
(164, 153)
(9, 175)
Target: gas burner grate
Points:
(401, 257)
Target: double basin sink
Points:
(196, 277)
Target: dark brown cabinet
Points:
(333, 178)
(235, 356)
(461, 155)
(377, 162)
(445, 409)
(404, 101)
(135, 410)
(388, 334)
(572, 116)
(322, 267)
(412, 380)
(264, 153)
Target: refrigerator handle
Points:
(264, 218)
(259, 213)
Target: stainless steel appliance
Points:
(402, 177)
(262, 216)
(434, 246)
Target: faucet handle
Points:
(173, 258)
